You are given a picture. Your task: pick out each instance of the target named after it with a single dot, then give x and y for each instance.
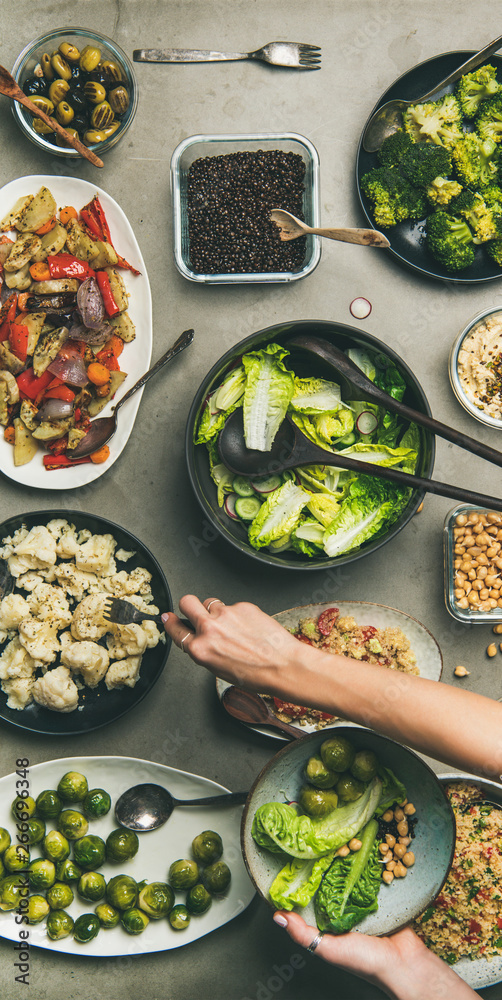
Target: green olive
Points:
(69, 52)
(43, 104)
(46, 65)
(111, 70)
(92, 136)
(60, 139)
(95, 92)
(64, 113)
(58, 90)
(89, 58)
(109, 130)
(41, 128)
(102, 115)
(119, 100)
(60, 66)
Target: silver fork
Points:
(122, 612)
(294, 55)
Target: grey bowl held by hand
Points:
(433, 845)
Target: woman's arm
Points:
(246, 647)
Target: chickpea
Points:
(355, 844)
(402, 828)
(493, 550)
(383, 848)
(497, 629)
(390, 865)
(482, 573)
(409, 859)
(388, 877)
(409, 809)
(388, 816)
(399, 851)
(463, 603)
(342, 852)
(461, 520)
(492, 649)
(405, 841)
(390, 840)
(466, 565)
(398, 815)
(461, 672)
(400, 871)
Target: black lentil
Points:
(229, 199)
(391, 827)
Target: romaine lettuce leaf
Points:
(221, 403)
(393, 789)
(269, 388)
(350, 887)
(324, 508)
(279, 515)
(369, 507)
(380, 454)
(326, 428)
(298, 881)
(363, 360)
(316, 396)
(308, 537)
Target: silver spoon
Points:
(148, 806)
(290, 228)
(388, 118)
(102, 429)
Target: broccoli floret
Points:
(489, 120)
(473, 88)
(476, 160)
(392, 197)
(449, 240)
(442, 190)
(493, 196)
(439, 122)
(494, 249)
(423, 162)
(485, 222)
(393, 148)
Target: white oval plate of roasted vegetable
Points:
(104, 303)
(408, 238)
(157, 851)
(372, 632)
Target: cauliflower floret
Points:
(49, 604)
(123, 556)
(88, 659)
(67, 543)
(126, 640)
(16, 661)
(18, 566)
(39, 639)
(56, 690)
(19, 691)
(13, 609)
(123, 672)
(124, 584)
(88, 621)
(153, 636)
(66, 639)
(75, 582)
(38, 549)
(30, 580)
(10, 542)
(96, 555)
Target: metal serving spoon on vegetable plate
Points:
(102, 429)
(388, 118)
(148, 806)
(291, 228)
(10, 88)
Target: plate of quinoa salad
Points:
(464, 924)
(365, 631)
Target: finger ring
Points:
(315, 943)
(215, 600)
(184, 639)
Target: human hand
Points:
(400, 965)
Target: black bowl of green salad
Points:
(311, 517)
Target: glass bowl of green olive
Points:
(83, 80)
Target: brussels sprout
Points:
(121, 845)
(91, 885)
(13, 889)
(349, 788)
(318, 774)
(73, 787)
(179, 917)
(16, 858)
(96, 803)
(134, 921)
(183, 874)
(365, 765)
(48, 804)
(59, 925)
(2, 869)
(36, 831)
(38, 908)
(85, 927)
(72, 824)
(59, 895)
(156, 899)
(68, 871)
(318, 802)
(42, 873)
(216, 878)
(4, 839)
(107, 915)
(207, 847)
(122, 892)
(89, 851)
(337, 753)
(198, 899)
(23, 809)
(55, 846)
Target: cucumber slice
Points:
(243, 487)
(247, 507)
(266, 484)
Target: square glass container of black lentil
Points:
(472, 572)
(223, 189)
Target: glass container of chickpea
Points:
(473, 564)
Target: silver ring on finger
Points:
(215, 600)
(184, 639)
(315, 942)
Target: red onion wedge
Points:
(54, 409)
(71, 370)
(360, 308)
(90, 304)
(93, 337)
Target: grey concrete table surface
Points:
(366, 45)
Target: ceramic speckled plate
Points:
(422, 642)
(433, 845)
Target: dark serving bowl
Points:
(197, 457)
(98, 706)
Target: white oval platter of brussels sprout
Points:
(80, 884)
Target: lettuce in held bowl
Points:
(304, 517)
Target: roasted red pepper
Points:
(326, 620)
(93, 216)
(30, 386)
(65, 265)
(52, 462)
(60, 392)
(18, 340)
(105, 288)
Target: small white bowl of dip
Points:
(475, 367)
